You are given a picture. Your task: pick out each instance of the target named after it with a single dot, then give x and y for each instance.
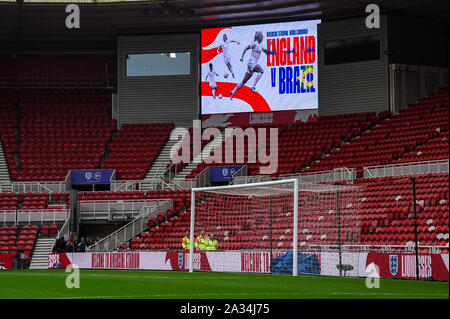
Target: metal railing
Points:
(159, 171)
(33, 216)
(201, 180)
(132, 229)
(40, 187)
(335, 175)
(58, 187)
(437, 166)
(124, 186)
(5, 188)
(240, 172)
(115, 209)
(8, 216)
(64, 231)
(170, 173)
(251, 179)
(29, 216)
(371, 248)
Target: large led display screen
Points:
(259, 68)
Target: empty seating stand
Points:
(385, 218)
(63, 129)
(8, 121)
(387, 212)
(16, 238)
(302, 143)
(417, 133)
(135, 148)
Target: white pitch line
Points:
(119, 276)
(386, 294)
(247, 294)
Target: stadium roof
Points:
(38, 25)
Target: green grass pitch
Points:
(126, 284)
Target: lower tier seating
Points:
(384, 217)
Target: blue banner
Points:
(223, 173)
(307, 264)
(91, 176)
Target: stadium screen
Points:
(259, 68)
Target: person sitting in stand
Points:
(81, 247)
(70, 248)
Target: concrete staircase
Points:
(209, 148)
(159, 166)
(4, 173)
(39, 259)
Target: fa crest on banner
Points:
(88, 175)
(180, 260)
(393, 264)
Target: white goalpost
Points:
(266, 222)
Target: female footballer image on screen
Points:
(212, 80)
(226, 54)
(252, 65)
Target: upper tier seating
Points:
(26, 201)
(402, 134)
(304, 142)
(135, 147)
(434, 149)
(8, 121)
(63, 129)
(57, 69)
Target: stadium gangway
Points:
(5, 188)
(114, 209)
(132, 229)
(412, 168)
(33, 216)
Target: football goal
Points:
(278, 227)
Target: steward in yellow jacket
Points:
(202, 241)
(186, 242)
(212, 243)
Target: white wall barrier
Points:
(33, 216)
(397, 265)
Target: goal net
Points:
(261, 227)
